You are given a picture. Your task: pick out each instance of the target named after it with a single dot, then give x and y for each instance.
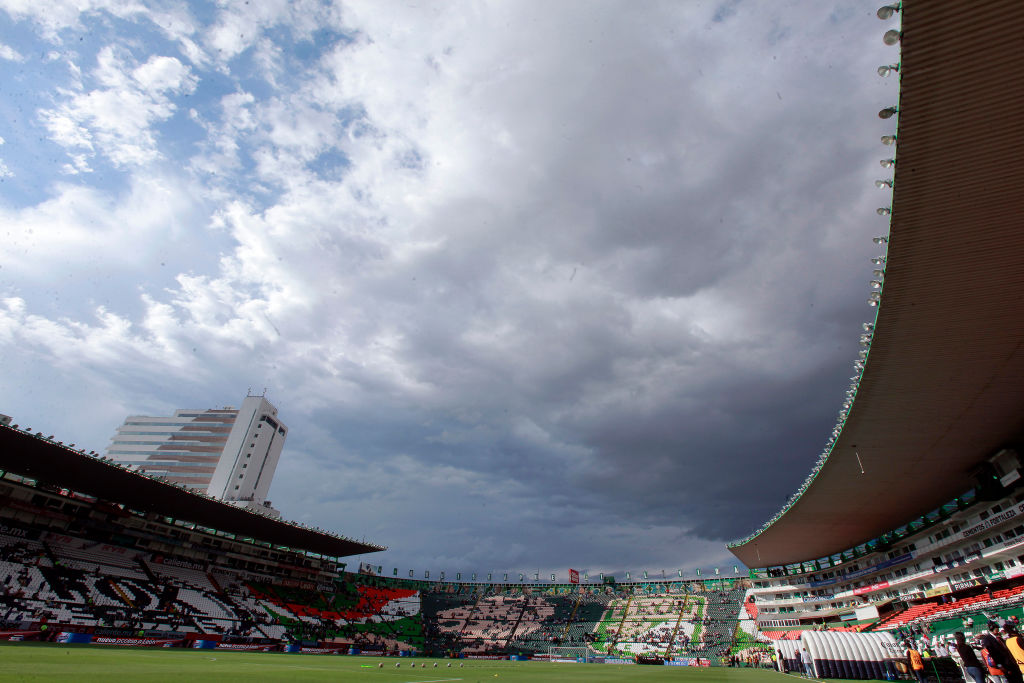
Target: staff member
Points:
(916, 663)
(972, 665)
(1001, 657)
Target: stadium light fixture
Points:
(887, 69)
(888, 140)
(886, 163)
(885, 12)
(880, 240)
(880, 184)
(878, 261)
(878, 273)
(869, 326)
(892, 36)
(883, 211)
(887, 113)
(873, 299)
(876, 284)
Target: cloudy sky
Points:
(534, 284)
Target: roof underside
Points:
(944, 384)
(49, 463)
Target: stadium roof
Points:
(943, 388)
(50, 463)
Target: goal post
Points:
(570, 654)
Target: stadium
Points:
(911, 525)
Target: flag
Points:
(395, 573)
(574, 576)
(698, 572)
(426, 575)
(536, 576)
(458, 576)
(442, 576)
(645, 573)
(716, 570)
(411, 572)
(680, 573)
(735, 569)
(552, 577)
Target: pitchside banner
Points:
(69, 637)
(574, 576)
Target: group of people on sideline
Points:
(998, 653)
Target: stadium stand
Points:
(72, 561)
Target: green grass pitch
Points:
(34, 662)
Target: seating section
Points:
(73, 581)
(365, 615)
(976, 607)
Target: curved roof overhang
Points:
(50, 463)
(943, 386)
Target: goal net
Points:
(570, 654)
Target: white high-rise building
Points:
(230, 453)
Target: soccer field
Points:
(32, 662)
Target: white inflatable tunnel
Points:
(847, 654)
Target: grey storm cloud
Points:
(533, 285)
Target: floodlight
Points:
(887, 113)
(887, 69)
(878, 261)
(886, 11)
(892, 36)
(889, 140)
(886, 163)
(878, 273)
(883, 211)
(876, 284)
(880, 240)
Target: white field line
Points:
(799, 676)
